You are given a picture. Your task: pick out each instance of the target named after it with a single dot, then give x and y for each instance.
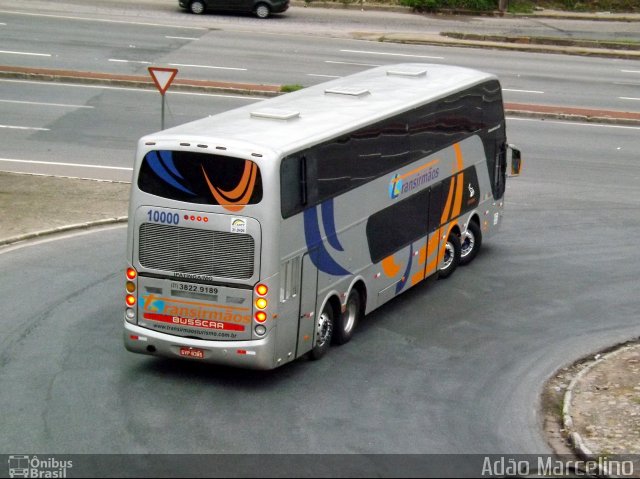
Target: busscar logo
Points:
(27, 466)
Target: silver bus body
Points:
(352, 185)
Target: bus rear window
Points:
(200, 178)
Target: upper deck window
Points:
(201, 178)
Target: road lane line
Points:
(630, 71)
(351, 63)
(117, 60)
(628, 98)
(54, 163)
(206, 66)
(180, 38)
(102, 20)
(7, 52)
(523, 91)
(19, 102)
(322, 76)
(575, 123)
(15, 127)
(408, 55)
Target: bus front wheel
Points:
(451, 256)
(324, 332)
(346, 323)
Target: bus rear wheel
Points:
(324, 332)
(451, 256)
(347, 322)
(470, 244)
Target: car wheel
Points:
(346, 324)
(263, 10)
(196, 7)
(470, 243)
(324, 332)
(451, 256)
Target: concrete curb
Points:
(575, 438)
(133, 81)
(62, 229)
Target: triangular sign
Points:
(162, 77)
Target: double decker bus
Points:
(266, 233)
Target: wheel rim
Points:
(325, 328)
(352, 313)
(197, 7)
(262, 11)
(449, 254)
(468, 244)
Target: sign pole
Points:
(162, 118)
(162, 77)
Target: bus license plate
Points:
(192, 353)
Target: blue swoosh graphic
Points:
(158, 167)
(329, 222)
(317, 252)
(167, 159)
(400, 286)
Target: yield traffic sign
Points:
(162, 77)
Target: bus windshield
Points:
(200, 178)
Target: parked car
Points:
(261, 8)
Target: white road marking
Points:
(180, 38)
(628, 98)
(101, 20)
(7, 52)
(630, 71)
(206, 66)
(80, 165)
(322, 76)
(524, 91)
(351, 63)
(15, 127)
(57, 237)
(407, 55)
(117, 60)
(575, 123)
(19, 102)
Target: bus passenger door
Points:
(307, 312)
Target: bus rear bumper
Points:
(257, 354)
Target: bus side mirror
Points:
(516, 160)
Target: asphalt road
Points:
(455, 366)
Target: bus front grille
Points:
(195, 251)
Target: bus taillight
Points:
(131, 274)
(261, 316)
(130, 300)
(262, 289)
(261, 303)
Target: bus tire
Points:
(346, 324)
(324, 332)
(451, 256)
(470, 243)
